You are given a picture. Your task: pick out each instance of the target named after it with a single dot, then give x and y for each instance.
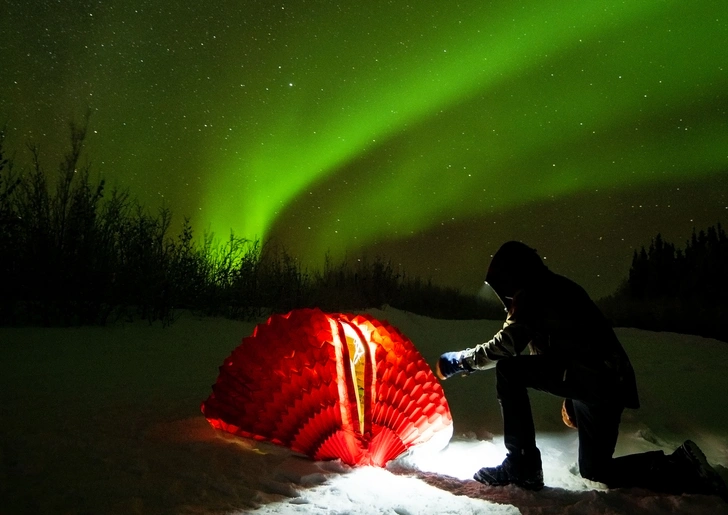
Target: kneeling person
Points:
(555, 339)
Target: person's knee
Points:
(506, 368)
(509, 378)
(596, 470)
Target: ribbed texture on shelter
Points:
(331, 386)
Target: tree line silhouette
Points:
(73, 253)
(674, 289)
(699, 273)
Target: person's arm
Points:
(508, 342)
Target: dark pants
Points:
(598, 416)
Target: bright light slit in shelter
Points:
(358, 366)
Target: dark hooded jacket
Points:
(552, 315)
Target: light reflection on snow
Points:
(366, 490)
(463, 457)
(460, 459)
(399, 489)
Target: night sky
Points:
(428, 132)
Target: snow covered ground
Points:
(107, 420)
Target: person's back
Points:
(565, 322)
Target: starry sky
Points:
(427, 132)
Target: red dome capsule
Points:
(331, 386)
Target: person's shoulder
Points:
(564, 283)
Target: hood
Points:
(513, 267)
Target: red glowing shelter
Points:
(331, 386)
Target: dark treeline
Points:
(72, 253)
(672, 289)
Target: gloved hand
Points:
(452, 363)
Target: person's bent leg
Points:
(684, 471)
(514, 376)
(598, 426)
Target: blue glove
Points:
(452, 363)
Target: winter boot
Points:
(700, 477)
(522, 469)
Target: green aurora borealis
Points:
(428, 132)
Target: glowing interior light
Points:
(356, 352)
(332, 386)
